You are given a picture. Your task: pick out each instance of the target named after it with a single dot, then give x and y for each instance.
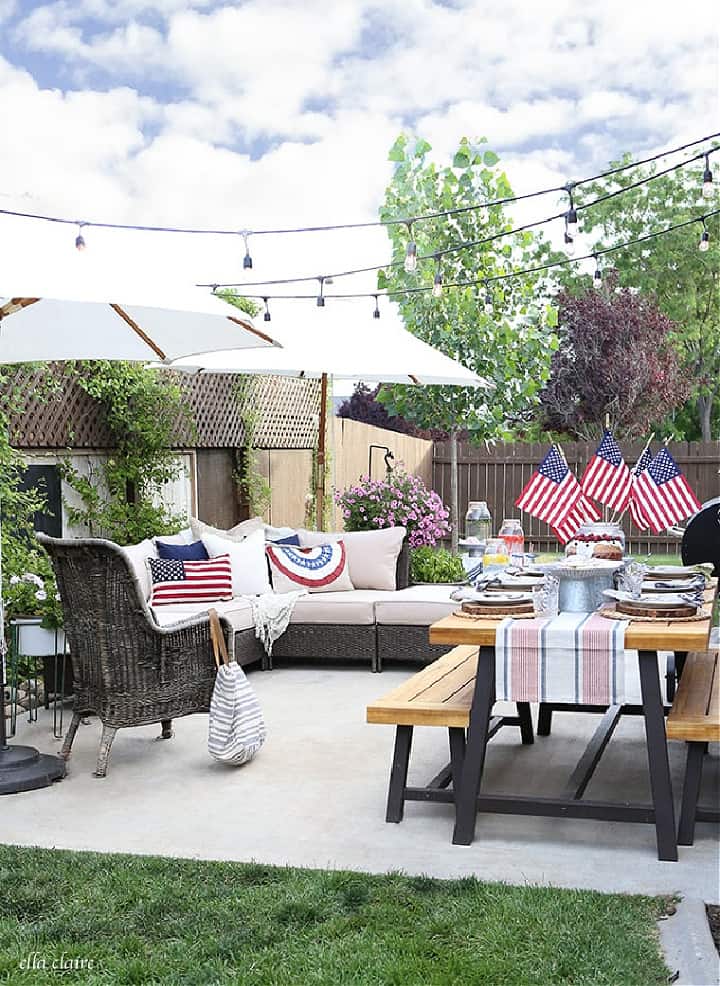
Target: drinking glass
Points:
(632, 577)
(546, 596)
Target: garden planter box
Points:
(34, 640)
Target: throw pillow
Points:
(372, 555)
(237, 533)
(320, 569)
(186, 552)
(182, 537)
(177, 581)
(137, 554)
(247, 559)
(290, 539)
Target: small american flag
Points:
(636, 512)
(583, 511)
(175, 581)
(607, 477)
(553, 494)
(664, 495)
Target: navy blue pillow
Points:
(290, 539)
(182, 552)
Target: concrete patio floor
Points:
(315, 796)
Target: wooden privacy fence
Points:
(498, 473)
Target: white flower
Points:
(57, 596)
(41, 595)
(34, 579)
(14, 580)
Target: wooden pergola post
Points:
(322, 441)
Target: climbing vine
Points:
(142, 409)
(254, 488)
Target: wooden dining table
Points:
(647, 638)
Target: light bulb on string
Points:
(571, 219)
(488, 302)
(569, 241)
(266, 316)
(80, 239)
(321, 297)
(376, 313)
(437, 288)
(410, 253)
(597, 276)
(708, 187)
(704, 244)
(247, 259)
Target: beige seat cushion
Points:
(418, 605)
(355, 608)
(372, 555)
(238, 612)
(238, 533)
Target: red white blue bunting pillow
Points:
(322, 568)
(178, 581)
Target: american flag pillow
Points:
(177, 581)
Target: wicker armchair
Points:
(126, 669)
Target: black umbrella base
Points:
(22, 768)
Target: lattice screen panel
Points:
(59, 414)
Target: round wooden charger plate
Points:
(494, 614)
(610, 613)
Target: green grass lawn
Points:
(147, 920)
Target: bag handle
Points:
(218, 639)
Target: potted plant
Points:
(436, 565)
(32, 605)
(399, 500)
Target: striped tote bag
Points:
(236, 728)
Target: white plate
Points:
(678, 585)
(661, 601)
(493, 598)
(670, 571)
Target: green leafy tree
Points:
(684, 281)
(504, 333)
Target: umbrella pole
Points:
(22, 768)
(322, 440)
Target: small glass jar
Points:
(514, 537)
(602, 539)
(496, 558)
(478, 520)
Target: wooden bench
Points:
(439, 695)
(695, 718)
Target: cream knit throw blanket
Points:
(271, 615)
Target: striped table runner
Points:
(574, 657)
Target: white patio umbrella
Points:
(344, 341)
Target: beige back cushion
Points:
(137, 555)
(237, 533)
(372, 555)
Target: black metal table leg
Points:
(398, 774)
(526, 724)
(691, 793)
(657, 750)
(456, 736)
(544, 719)
(466, 796)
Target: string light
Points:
(266, 316)
(707, 185)
(320, 301)
(597, 276)
(437, 288)
(247, 259)
(488, 305)
(704, 244)
(569, 241)
(571, 219)
(410, 252)
(80, 239)
(376, 313)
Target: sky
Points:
(267, 113)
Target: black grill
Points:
(701, 541)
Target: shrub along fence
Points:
(498, 473)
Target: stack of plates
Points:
(499, 603)
(665, 572)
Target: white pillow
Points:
(372, 555)
(182, 537)
(247, 560)
(137, 555)
(275, 533)
(322, 568)
(238, 533)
